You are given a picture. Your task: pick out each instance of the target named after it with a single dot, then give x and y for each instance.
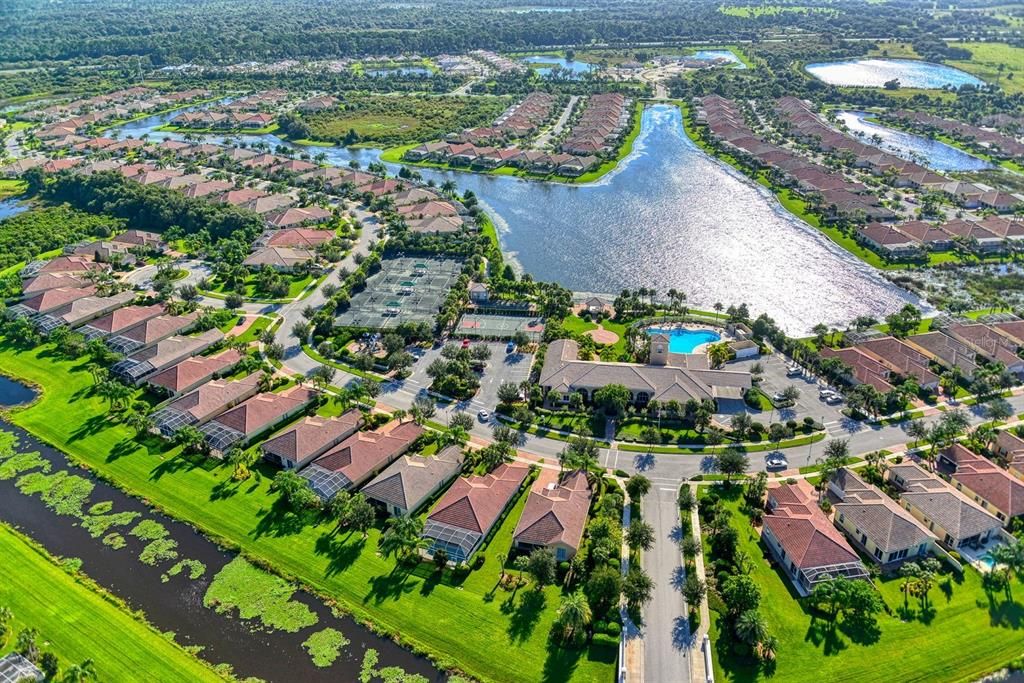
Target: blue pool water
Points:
(873, 73)
(685, 341)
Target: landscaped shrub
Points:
(621, 473)
(605, 640)
(479, 560)
(613, 629)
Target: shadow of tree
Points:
(861, 630)
(281, 520)
(341, 551)
(390, 586)
(825, 635)
(524, 614)
(560, 663)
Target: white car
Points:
(776, 462)
(483, 416)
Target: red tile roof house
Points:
(554, 517)
(902, 359)
(989, 344)
(357, 459)
(151, 331)
(120, 320)
(946, 351)
(190, 373)
(69, 264)
(864, 369)
(888, 240)
(46, 281)
(803, 540)
(203, 404)
(877, 524)
(240, 197)
(300, 444)
(255, 416)
(307, 238)
(140, 238)
(412, 480)
(1010, 447)
(992, 487)
(295, 217)
(283, 259)
(136, 367)
(427, 209)
(470, 509)
(49, 300)
(81, 311)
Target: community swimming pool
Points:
(681, 340)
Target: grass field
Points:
(78, 622)
(965, 634)
(296, 283)
(472, 626)
(10, 187)
(402, 120)
(985, 60)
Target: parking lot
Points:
(501, 368)
(809, 404)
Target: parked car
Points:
(776, 461)
(510, 347)
(483, 416)
(465, 343)
(794, 371)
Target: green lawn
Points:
(296, 283)
(965, 635)
(10, 187)
(465, 626)
(576, 325)
(78, 622)
(985, 60)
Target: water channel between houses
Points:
(177, 605)
(669, 216)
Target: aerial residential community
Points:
(480, 341)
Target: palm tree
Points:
(751, 627)
(573, 615)
(80, 673)
(402, 537)
(139, 421)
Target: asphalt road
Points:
(666, 633)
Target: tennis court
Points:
(499, 326)
(406, 289)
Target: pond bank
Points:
(175, 603)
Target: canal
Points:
(176, 604)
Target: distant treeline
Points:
(226, 31)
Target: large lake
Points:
(874, 73)
(669, 217)
(931, 153)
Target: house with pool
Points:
(671, 374)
